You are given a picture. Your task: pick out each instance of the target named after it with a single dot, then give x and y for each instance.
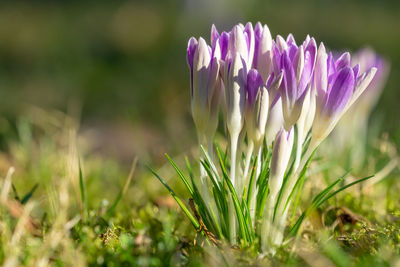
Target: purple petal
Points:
(340, 92)
(356, 70)
(331, 65)
(258, 30)
(191, 49)
(281, 43)
(289, 79)
(343, 61)
(249, 32)
(223, 44)
(254, 83)
(214, 35)
(290, 40)
(332, 73)
(276, 59)
(192, 45)
(257, 38)
(309, 62)
(307, 40)
(292, 49)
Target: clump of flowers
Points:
(280, 100)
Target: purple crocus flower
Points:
(205, 83)
(280, 159)
(262, 50)
(235, 92)
(337, 86)
(222, 39)
(241, 40)
(257, 106)
(297, 63)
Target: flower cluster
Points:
(280, 100)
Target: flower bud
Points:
(298, 65)
(236, 76)
(204, 81)
(262, 53)
(280, 158)
(241, 40)
(257, 107)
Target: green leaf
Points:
(345, 187)
(239, 213)
(14, 189)
(217, 195)
(29, 194)
(180, 174)
(177, 199)
(212, 167)
(83, 193)
(208, 215)
(321, 198)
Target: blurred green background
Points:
(122, 63)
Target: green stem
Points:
(233, 178)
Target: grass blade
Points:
(180, 174)
(345, 187)
(243, 227)
(84, 209)
(321, 198)
(29, 194)
(177, 199)
(124, 189)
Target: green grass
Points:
(64, 206)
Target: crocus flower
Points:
(337, 86)
(280, 158)
(235, 94)
(298, 65)
(241, 40)
(279, 162)
(205, 83)
(262, 50)
(222, 40)
(275, 118)
(257, 106)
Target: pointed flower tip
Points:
(192, 46)
(290, 39)
(214, 35)
(202, 41)
(321, 48)
(312, 45)
(249, 25)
